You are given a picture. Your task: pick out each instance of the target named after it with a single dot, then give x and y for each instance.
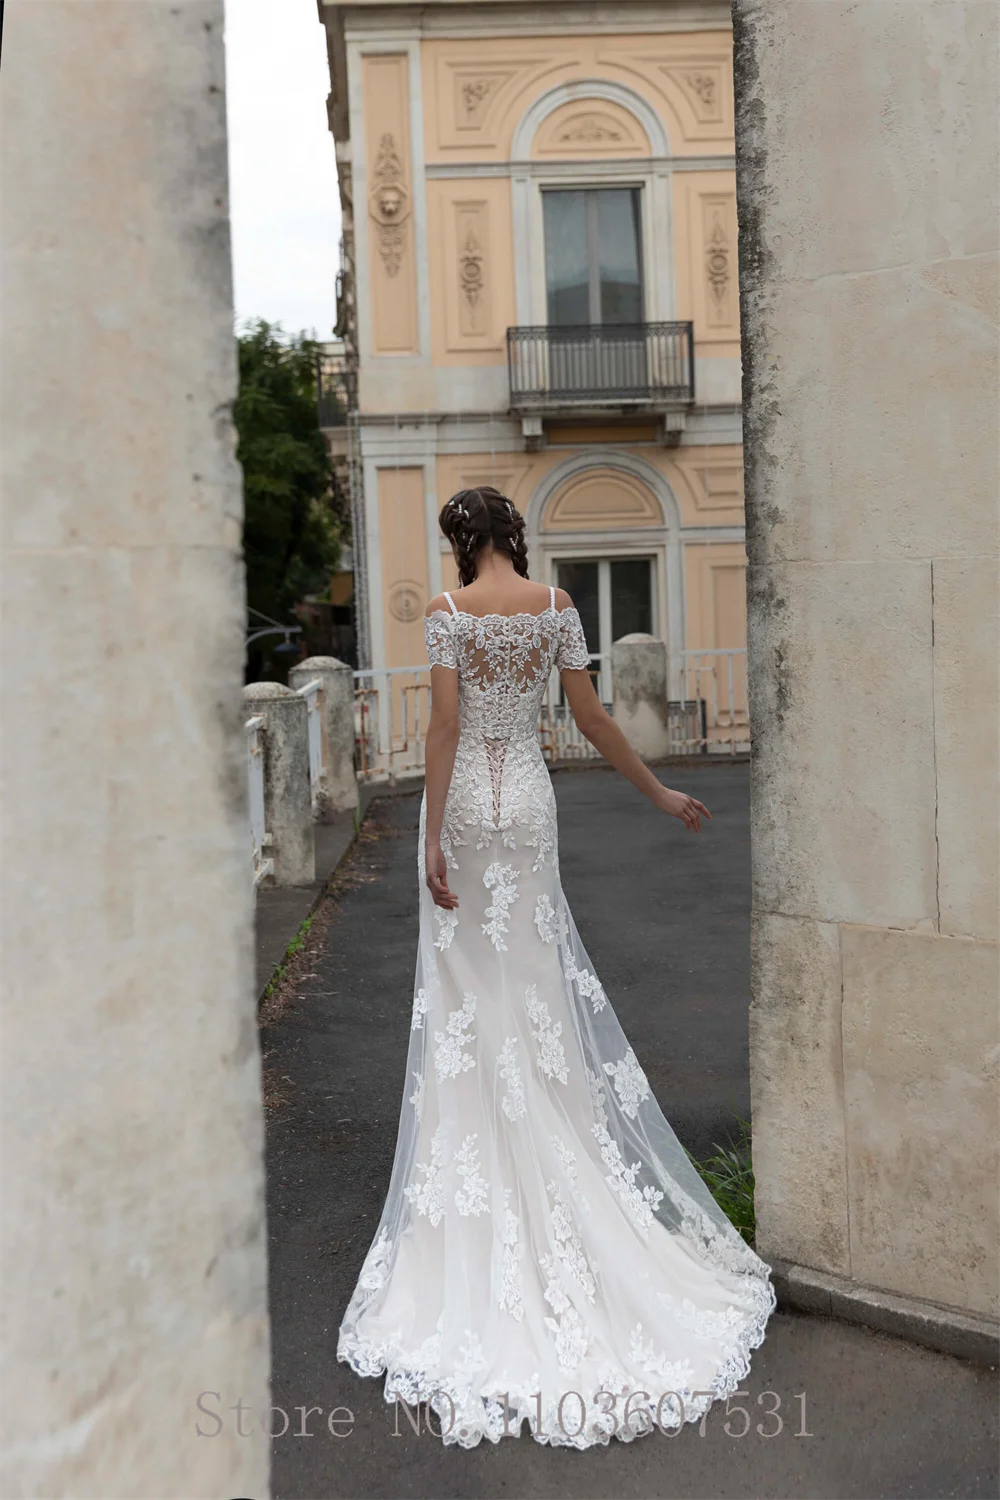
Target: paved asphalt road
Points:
(665, 917)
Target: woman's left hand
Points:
(688, 809)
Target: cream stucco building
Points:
(539, 291)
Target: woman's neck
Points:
(493, 567)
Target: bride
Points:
(546, 1251)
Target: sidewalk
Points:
(665, 918)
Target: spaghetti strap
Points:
(552, 597)
(451, 602)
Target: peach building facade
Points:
(539, 291)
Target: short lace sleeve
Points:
(440, 642)
(572, 654)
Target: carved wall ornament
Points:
(704, 85)
(475, 92)
(406, 602)
(589, 129)
(470, 267)
(389, 204)
(717, 260)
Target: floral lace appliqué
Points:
(473, 1196)
(420, 1003)
(449, 1057)
(640, 1203)
(551, 1057)
(545, 919)
(446, 921)
(511, 1289)
(513, 1102)
(587, 983)
(499, 879)
(427, 1197)
(631, 1084)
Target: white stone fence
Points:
(311, 743)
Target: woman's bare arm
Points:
(439, 762)
(596, 724)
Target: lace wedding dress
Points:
(546, 1250)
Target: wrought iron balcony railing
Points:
(595, 365)
(336, 387)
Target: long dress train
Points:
(546, 1250)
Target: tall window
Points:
(614, 597)
(593, 260)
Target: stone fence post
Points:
(288, 815)
(339, 790)
(639, 686)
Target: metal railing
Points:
(336, 387)
(716, 680)
(312, 692)
(558, 734)
(259, 840)
(615, 364)
(392, 708)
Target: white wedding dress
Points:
(544, 1233)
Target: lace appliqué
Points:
(417, 1097)
(446, 921)
(421, 1001)
(471, 1197)
(551, 1058)
(588, 984)
(427, 1197)
(570, 1336)
(511, 1290)
(571, 654)
(449, 1058)
(567, 1245)
(513, 1102)
(376, 1267)
(675, 1374)
(549, 923)
(631, 1084)
(439, 640)
(568, 1160)
(500, 880)
(640, 1203)
(703, 1323)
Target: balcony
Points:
(600, 369)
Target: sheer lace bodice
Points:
(543, 1231)
(503, 663)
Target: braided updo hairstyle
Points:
(473, 519)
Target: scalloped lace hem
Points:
(474, 1414)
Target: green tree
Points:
(291, 526)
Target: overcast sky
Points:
(282, 176)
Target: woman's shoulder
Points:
(563, 600)
(437, 606)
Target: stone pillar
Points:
(639, 687)
(868, 268)
(288, 817)
(339, 792)
(133, 1260)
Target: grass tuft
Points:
(728, 1175)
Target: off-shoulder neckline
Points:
(521, 614)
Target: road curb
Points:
(942, 1328)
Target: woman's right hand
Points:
(679, 805)
(437, 877)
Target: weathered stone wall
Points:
(868, 222)
(133, 1253)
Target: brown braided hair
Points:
(473, 519)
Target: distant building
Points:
(539, 291)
